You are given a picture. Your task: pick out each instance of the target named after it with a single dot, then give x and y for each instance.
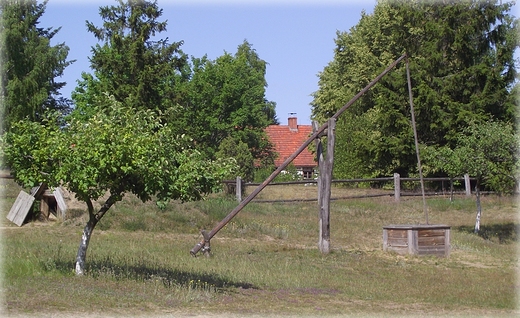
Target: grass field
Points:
(264, 263)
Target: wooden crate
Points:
(417, 239)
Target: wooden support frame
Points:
(320, 130)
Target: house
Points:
(287, 139)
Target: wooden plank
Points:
(429, 233)
(397, 233)
(412, 242)
(432, 240)
(38, 191)
(398, 241)
(20, 208)
(44, 209)
(62, 206)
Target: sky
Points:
(295, 38)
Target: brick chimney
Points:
(293, 122)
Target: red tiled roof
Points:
(287, 141)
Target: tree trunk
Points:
(83, 245)
(479, 207)
(87, 231)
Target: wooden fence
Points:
(238, 187)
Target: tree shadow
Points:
(503, 233)
(145, 272)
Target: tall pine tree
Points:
(29, 64)
(130, 64)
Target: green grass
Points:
(264, 262)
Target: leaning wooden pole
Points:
(419, 167)
(205, 241)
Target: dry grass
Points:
(265, 262)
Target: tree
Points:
(130, 64)
(462, 67)
(487, 151)
(229, 148)
(29, 64)
(115, 151)
(226, 98)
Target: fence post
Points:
(397, 187)
(467, 184)
(238, 190)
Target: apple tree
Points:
(115, 151)
(487, 151)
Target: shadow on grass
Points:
(504, 233)
(145, 272)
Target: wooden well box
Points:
(417, 239)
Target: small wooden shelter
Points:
(51, 201)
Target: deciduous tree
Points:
(115, 151)
(462, 68)
(226, 98)
(487, 151)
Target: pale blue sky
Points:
(295, 38)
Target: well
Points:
(417, 239)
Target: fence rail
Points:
(397, 193)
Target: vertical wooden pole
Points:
(238, 188)
(326, 174)
(397, 187)
(319, 155)
(451, 189)
(467, 184)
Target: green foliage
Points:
(488, 151)
(117, 150)
(226, 98)
(289, 174)
(29, 64)
(229, 148)
(130, 65)
(462, 68)
(206, 100)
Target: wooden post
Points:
(397, 187)
(467, 184)
(451, 189)
(319, 155)
(326, 168)
(44, 209)
(238, 188)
